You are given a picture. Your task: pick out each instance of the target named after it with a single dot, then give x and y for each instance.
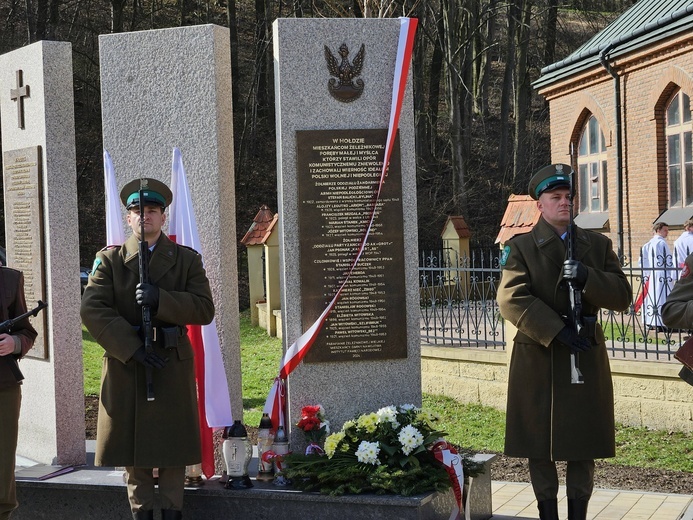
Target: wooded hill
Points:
(481, 129)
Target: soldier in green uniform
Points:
(132, 431)
(548, 418)
(677, 312)
(13, 346)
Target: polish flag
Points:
(115, 235)
(212, 387)
(274, 404)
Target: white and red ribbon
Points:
(447, 455)
(298, 350)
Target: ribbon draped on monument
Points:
(275, 404)
(212, 386)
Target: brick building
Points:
(621, 115)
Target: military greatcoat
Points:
(132, 431)
(547, 416)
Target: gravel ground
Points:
(607, 476)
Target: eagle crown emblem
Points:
(345, 86)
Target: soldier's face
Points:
(555, 207)
(154, 218)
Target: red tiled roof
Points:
(460, 227)
(520, 216)
(261, 228)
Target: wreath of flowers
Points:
(387, 451)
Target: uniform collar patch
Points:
(505, 254)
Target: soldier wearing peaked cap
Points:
(548, 418)
(132, 431)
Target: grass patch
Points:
(472, 426)
(260, 356)
(92, 358)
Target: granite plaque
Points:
(24, 231)
(338, 180)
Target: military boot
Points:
(577, 509)
(143, 514)
(171, 514)
(548, 509)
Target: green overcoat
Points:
(132, 431)
(547, 416)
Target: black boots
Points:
(143, 515)
(171, 514)
(548, 509)
(577, 509)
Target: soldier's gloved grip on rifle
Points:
(147, 294)
(576, 272)
(151, 360)
(571, 339)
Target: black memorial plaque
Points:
(24, 231)
(338, 178)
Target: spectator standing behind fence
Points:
(548, 418)
(683, 246)
(657, 276)
(678, 310)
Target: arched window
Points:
(592, 180)
(679, 151)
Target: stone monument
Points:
(40, 194)
(172, 87)
(334, 85)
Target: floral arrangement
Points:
(387, 451)
(314, 427)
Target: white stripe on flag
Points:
(115, 234)
(184, 226)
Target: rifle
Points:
(575, 293)
(7, 326)
(147, 329)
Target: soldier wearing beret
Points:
(678, 309)
(133, 431)
(13, 346)
(549, 418)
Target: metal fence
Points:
(459, 308)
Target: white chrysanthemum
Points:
(367, 453)
(410, 438)
(326, 424)
(331, 443)
(388, 414)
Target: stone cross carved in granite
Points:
(18, 94)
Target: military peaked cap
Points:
(155, 193)
(550, 178)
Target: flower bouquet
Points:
(314, 427)
(387, 451)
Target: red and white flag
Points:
(115, 235)
(298, 350)
(212, 386)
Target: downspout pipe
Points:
(603, 58)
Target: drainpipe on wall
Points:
(603, 58)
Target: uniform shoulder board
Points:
(190, 248)
(108, 248)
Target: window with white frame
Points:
(592, 178)
(679, 151)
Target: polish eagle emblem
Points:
(345, 86)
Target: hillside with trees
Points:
(481, 129)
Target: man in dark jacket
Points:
(677, 312)
(13, 346)
(548, 417)
(133, 431)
